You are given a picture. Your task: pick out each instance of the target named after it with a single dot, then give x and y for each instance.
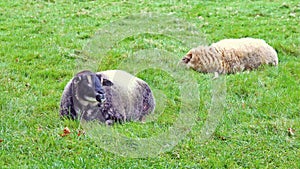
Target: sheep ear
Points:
(189, 55)
(76, 79)
(106, 82)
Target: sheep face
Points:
(88, 88)
(191, 61)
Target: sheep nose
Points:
(100, 98)
(185, 60)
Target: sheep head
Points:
(191, 60)
(88, 87)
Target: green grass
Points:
(41, 41)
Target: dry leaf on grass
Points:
(1, 140)
(66, 132)
(80, 132)
(291, 131)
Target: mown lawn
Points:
(42, 42)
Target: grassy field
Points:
(42, 41)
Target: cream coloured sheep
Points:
(231, 56)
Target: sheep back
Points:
(131, 97)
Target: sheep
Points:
(231, 56)
(108, 96)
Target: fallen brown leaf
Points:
(80, 132)
(66, 132)
(1, 140)
(291, 131)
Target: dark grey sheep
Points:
(108, 96)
